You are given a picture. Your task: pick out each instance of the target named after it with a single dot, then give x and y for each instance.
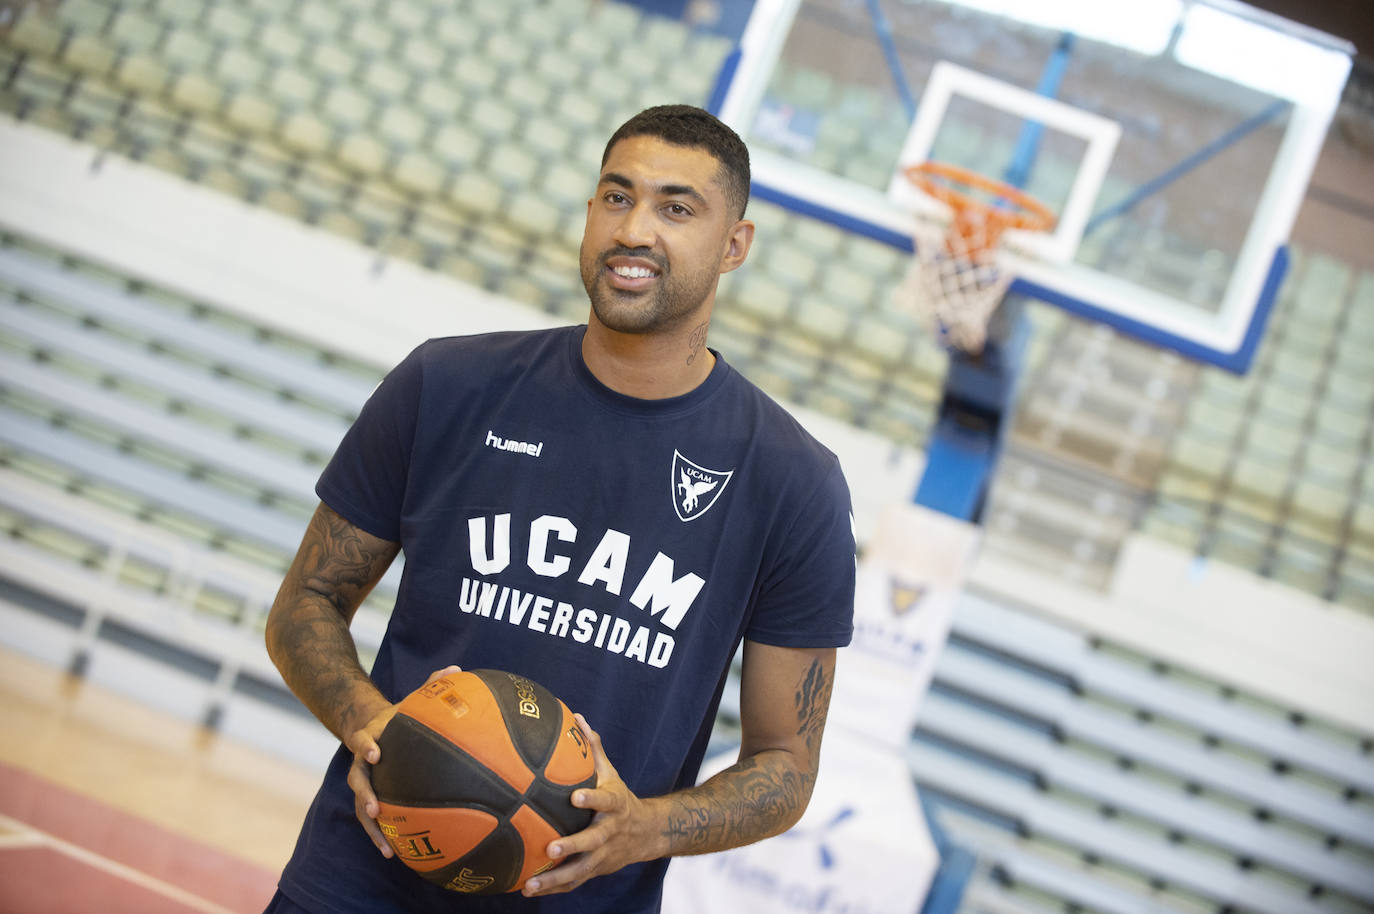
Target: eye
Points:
(678, 209)
(616, 198)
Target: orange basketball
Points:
(476, 778)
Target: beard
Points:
(673, 299)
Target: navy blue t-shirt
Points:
(612, 549)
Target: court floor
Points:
(107, 806)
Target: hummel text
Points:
(517, 447)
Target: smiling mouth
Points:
(629, 273)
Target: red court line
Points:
(158, 854)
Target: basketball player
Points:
(609, 510)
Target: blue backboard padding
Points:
(1237, 361)
(723, 80)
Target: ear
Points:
(737, 245)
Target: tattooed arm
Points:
(784, 697)
(334, 570)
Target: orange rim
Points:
(935, 178)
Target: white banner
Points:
(909, 580)
(862, 847)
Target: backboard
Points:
(1174, 139)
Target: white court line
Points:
(29, 836)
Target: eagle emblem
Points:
(695, 488)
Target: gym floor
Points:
(107, 806)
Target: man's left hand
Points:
(622, 832)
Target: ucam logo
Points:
(906, 596)
(695, 488)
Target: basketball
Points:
(476, 778)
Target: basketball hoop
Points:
(956, 281)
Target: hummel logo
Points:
(515, 447)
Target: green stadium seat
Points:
(762, 297)
(823, 319)
(514, 166)
(560, 71)
(331, 61)
(36, 33)
(477, 193)
(441, 104)
(369, 37)
(419, 174)
(456, 145)
(409, 15)
(425, 57)
(526, 92)
(293, 87)
(386, 81)
(402, 125)
(507, 50)
(186, 50)
(476, 75)
(849, 289)
(348, 108)
(488, 16)
(881, 339)
(238, 24)
(793, 267)
(305, 133)
(252, 112)
(90, 54)
(662, 37)
(180, 13)
(1279, 442)
(363, 153)
(493, 119)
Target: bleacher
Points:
(158, 444)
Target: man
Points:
(609, 510)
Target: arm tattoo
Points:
(760, 795)
(813, 700)
(337, 563)
(307, 630)
(756, 797)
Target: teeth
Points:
(633, 272)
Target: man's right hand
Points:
(366, 753)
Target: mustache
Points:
(641, 253)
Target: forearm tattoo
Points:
(307, 629)
(760, 795)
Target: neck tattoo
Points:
(696, 344)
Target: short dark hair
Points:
(687, 125)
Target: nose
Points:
(635, 229)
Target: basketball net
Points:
(956, 281)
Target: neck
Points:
(648, 366)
